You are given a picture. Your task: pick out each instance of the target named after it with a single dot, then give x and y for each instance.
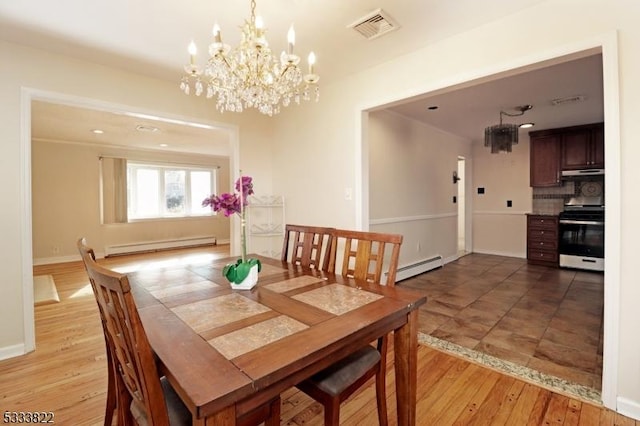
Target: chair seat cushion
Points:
(336, 378)
(179, 414)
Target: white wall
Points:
(498, 229)
(27, 73)
(322, 145)
(411, 187)
(313, 153)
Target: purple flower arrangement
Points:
(230, 204)
(234, 203)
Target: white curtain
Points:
(120, 189)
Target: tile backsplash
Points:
(551, 200)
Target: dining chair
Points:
(362, 258)
(307, 246)
(142, 397)
(110, 407)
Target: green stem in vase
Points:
(243, 237)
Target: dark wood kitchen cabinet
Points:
(542, 240)
(583, 147)
(567, 148)
(545, 148)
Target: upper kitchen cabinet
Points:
(583, 147)
(545, 151)
(567, 148)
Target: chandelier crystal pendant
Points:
(249, 75)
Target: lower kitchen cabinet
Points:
(542, 239)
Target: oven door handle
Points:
(581, 222)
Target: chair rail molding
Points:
(403, 219)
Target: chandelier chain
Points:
(253, 10)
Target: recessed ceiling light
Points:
(526, 125)
(97, 131)
(164, 145)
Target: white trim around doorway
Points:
(27, 96)
(607, 44)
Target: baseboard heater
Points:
(122, 249)
(419, 267)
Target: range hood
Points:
(583, 172)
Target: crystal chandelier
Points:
(249, 76)
(501, 137)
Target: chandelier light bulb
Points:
(193, 51)
(291, 39)
(260, 40)
(312, 61)
(216, 33)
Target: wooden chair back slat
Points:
(363, 255)
(307, 246)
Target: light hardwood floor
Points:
(66, 374)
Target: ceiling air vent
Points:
(147, 128)
(374, 24)
(568, 100)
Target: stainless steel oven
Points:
(581, 234)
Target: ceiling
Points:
(150, 38)
(576, 87)
(58, 122)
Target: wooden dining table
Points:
(227, 351)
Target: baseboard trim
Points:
(12, 351)
(501, 253)
(628, 408)
(58, 259)
(146, 246)
(418, 267)
(99, 255)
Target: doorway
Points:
(607, 45)
(53, 108)
(461, 181)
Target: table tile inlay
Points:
(337, 298)
(270, 270)
(211, 313)
(297, 282)
(152, 279)
(255, 336)
(163, 292)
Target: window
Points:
(156, 191)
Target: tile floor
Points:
(547, 319)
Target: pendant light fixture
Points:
(501, 137)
